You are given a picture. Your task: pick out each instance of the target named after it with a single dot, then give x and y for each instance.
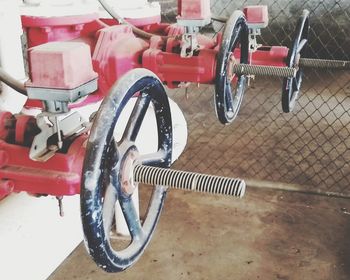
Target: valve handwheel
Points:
(112, 167)
(291, 86)
(229, 88)
(108, 169)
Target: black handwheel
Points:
(229, 88)
(108, 169)
(291, 86)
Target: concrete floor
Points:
(269, 234)
(266, 235)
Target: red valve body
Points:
(114, 50)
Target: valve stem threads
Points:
(324, 63)
(260, 70)
(189, 181)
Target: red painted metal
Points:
(162, 57)
(7, 126)
(117, 51)
(257, 15)
(60, 175)
(114, 50)
(42, 30)
(60, 65)
(173, 69)
(138, 22)
(268, 56)
(26, 129)
(165, 29)
(6, 187)
(194, 9)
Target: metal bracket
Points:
(63, 125)
(62, 95)
(253, 43)
(189, 39)
(189, 42)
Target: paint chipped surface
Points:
(90, 180)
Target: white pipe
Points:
(11, 55)
(34, 239)
(134, 9)
(130, 4)
(49, 2)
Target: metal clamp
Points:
(54, 129)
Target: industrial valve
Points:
(61, 73)
(180, 55)
(291, 85)
(192, 15)
(79, 61)
(230, 85)
(104, 169)
(241, 57)
(113, 168)
(62, 156)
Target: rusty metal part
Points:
(126, 172)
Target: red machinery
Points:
(75, 61)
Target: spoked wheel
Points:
(229, 88)
(108, 169)
(291, 86)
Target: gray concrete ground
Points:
(269, 234)
(266, 235)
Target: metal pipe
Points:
(120, 19)
(219, 19)
(12, 82)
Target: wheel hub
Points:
(127, 163)
(231, 62)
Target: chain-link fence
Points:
(310, 147)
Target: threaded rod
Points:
(288, 72)
(189, 181)
(324, 63)
(262, 70)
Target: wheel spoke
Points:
(234, 43)
(153, 158)
(108, 210)
(296, 84)
(301, 45)
(131, 217)
(299, 84)
(155, 207)
(136, 118)
(228, 96)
